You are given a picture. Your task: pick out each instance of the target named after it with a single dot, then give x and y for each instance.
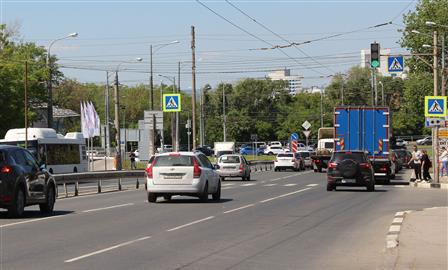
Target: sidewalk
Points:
(422, 242)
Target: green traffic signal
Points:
(375, 63)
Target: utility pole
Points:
(193, 74)
(117, 123)
(26, 104)
(321, 108)
(435, 130)
(173, 120)
(443, 66)
(201, 122)
(107, 130)
(152, 133)
(342, 90)
(224, 117)
(177, 113)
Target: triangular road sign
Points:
(435, 107)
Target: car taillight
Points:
(365, 165)
(241, 167)
(332, 165)
(148, 169)
(316, 161)
(6, 169)
(196, 169)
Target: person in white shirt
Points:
(444, 160)
(416, 163)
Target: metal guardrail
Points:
(100, 176)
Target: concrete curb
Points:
(392, 237)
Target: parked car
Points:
(248, 150)
(183, 173)
(403, 155)
(425, 141)
(23, 182)
(285, 161)
(206, 150)
(273, 150)
(350, 168)
(275, 143)
(401, 143)
(306, 156)
(398, 162)
(233, 166)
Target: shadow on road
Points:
(29, 214)
(192, 201)
(358, 190)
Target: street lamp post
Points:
(49, 83)
(117, 116)
(382, 92)
(443, 71)
(152, 149)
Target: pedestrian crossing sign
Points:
(435, 106)
(395, 64)
(171, 103)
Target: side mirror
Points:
(216, 167)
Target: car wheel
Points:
(48, 206)
(330, 187)
(152, 198)
(270, 154)
(217, 195)
(18, 205)
(248, 178)
(167, 197)
(387, 180)
(203, 196)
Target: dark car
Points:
(404, 156)
(23, 182)
(350, 168)
(206, 150)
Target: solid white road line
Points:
(290, 185)
(312, 185)
(191, 223)
(107, 249)
(105, 208)
(239, 208)
(284, 195)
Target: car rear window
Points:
(230, 159)
(285, 155)
(401, 153)
(329, 145)
(305, 154)
(168, 161)
(338, 157)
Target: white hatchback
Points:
(183, 173)
(286, 161)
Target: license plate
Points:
(349, 181)
(229, 168)
(172, 177)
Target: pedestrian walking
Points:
(426, 165)
(444, 160)
(416, 163)
(132, 157)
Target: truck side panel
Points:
(363, 128)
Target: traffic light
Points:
(375, 55)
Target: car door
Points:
(37, 185)
(246, 166)
(207, 169)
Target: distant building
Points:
(59, 114)
(294, 81)
(314, 90)
(383, 69)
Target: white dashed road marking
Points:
(107, 249)
(247, 185)
(270, 185)
(312, 185)
(290, 185)
(239, 208)
(106, 208)
(284, 195)
(191, 223)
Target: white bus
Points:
(60, 154)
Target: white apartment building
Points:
(295, 81)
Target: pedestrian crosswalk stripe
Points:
(246, 185)
(290, 185)
(270, 185)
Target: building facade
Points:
(294, 81)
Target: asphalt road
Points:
(280, 220)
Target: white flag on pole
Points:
(84, 129)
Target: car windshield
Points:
(329, 145)
(285, 155)
(338, 157)
(178, 160)
(229, 159)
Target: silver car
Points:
(233, 166)
(183, 173)
(306, 156)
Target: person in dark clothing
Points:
(132, 157)
(426, 164)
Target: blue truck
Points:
(367, 129)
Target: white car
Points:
(182, 173)
(275, 143)
(233, 166)
(286, 161)
(401, 142)
(273, 150)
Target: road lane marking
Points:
(228, 184)
(191, 223)
(312, 185)
(106, 208)
(290, 185)
(107, 249)
(33, 220)
(284, 195)
(270, 185)
(247, 185)
(239, 208)
(227, 187)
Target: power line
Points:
(275, 34)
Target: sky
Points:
(112, 34)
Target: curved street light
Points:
(49, 84)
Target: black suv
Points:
(23, 182)
(350, 168)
